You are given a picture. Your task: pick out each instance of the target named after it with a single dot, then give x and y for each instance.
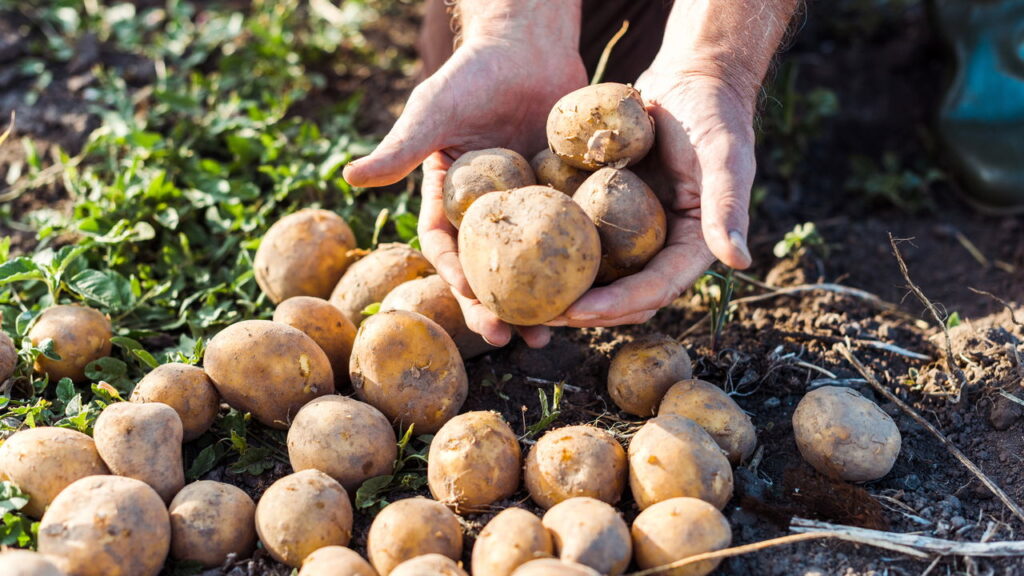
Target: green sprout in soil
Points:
(409, 473)
(716, 292)
(550, 410)
(802, 237)
(890, 182)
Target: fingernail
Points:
(736, 239)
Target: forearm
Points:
(554, 24)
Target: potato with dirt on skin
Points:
(185, 388)
(429, 565)
(334, 560)
(209, 521)
(642, 371)
(511, 539)
(8, 357)
(678, 528)
(142, 441)
(844, 435)
(476, 173)
(16, 562)
(371, 278)
(409, 528)
(576, 461)
(590, 532)
(716, 412)
(268, 369)
(80, 335)
(601, 125)
(332, 331)
(43, 461)
(432, 297)
(554, 567)
(552, 171)
(474, 461)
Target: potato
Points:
(348, 440)
(142, 441)
(332, 331)
(209, 521)
(429, 565)
(844, 435)
(370, 279)
(677, 528)
(107, 526)
(554, 567)
(673, 456)
(600, 125)
(335, 560)
(80, 335)
(303, 254)
(643, 370)
(268, 369)
(479, 172)
(27, 563)
(716, 412)
(43, 461)
(409, 528)
(185, 388)
(474, 461)
(302, 513)
(8, 357)
(551, 171)
(512, 538)
(432, 297)
(590, 532)
(529, 253)
(406, 366)
(629, 219)
(576, 461)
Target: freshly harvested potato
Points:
(590, 532)
(551, 171)
(335, 560)
(43, 461)
(643, 370)
(370, 279)
(142, 441)
(601, 125)
(409, 528)
(185, 388)
(528, 253)
(303, 254)
(107, 526)
(408, 367)
(8, 357)
(15, 562)
(80, 335)
(629, 218)
(267, 368)
(576, 461)
(511, 539)
(209, 521)
(431, 297)
(673, 456)
(844, 435)
(716, 412)
(332, 331)
(347, 439)
(677, 528)
(429, 565)
(554, 567)
(474, 461)
(302, 513)
(479, 172)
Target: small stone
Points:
(958, 522)
(911, 482)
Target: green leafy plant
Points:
(802, 237)
(890, 182)
(793, 118)
(409, 473)
(550, 409)
(16, 529)
(715, 291)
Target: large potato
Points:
(107, 526)
(600, 125)
(8, 357)
(335, 560)
(673, 456)
(429, 565)
(27, 563)
(432, 297)
(185, 388)
(512, 538)
(677, 528)
(643, 370)
(303, 254)
(267, 368)
(348, 440)
(302, 513)
(528, 253)
(209, 521)
(409, 528)
(576, 461)
(474, 461)
(142, 441)
(332, 331)
(554, 567)
(479, 172)
(716, 412)
(590, 532)
(370, 279)
(43, 461)
(407, 366)
(80, 335)
(551, 171)
(844, 435)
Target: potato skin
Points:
(8, 357)
(43, 461)
(576, 461)
(348, 440)
(332, 331)
(528, 253)
(590, 532)
(302, 513)
(107, 526)
(844, 435)
(676, 528)
(474, 461)
(431, 297)
(267, 368)
(642, 371)
(409, 528)
(600, 125)
(551, 171)
(15, 562)
(479, 172)
(370, 279)
(80, 335)
(334, 560)
(142, 441)
(673, 456)
(185, 388)
(554, 567)
(511, 539)
(303, 254)
(716, 412)
(210, 520)
(429, 565)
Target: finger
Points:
(727, 174)
(438, 238)
(535, 336)
(482, 321)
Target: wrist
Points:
(535, 23)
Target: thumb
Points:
(727, 166)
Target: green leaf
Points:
(371, 309)
(204, 462)
(108, 289)
(11, 497)
(368, 493)
(19, 269)
(48, 349)
(65, 390)
(107, 368)
(953, 320)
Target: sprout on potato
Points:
(511, 539)
(142, 441)
(211, 520)
(335, 560)
(474, 461)
(476, 173)
(186, 389)
(600, 125)
(371, 278)
(642, 371)
(716, 412)
(576, 461)
(80, 335)
(302, 513)
(552, 171)
(409, 528)
(678, 528)
(332, 331)
(590, 532)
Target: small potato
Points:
(716, 412)
(554, 567)
(142, 441)
(673, 456)
(107, 526)
(429, 565)
(185, 388)
(551, 171)
(479, 172)
(590, 532)
(209, 521)
(335, 560)
(80, 335)
(302, 513)
(303, 254)
(8, 357)
(474, 461)
(406, 366)
(409, 528)
(511, 539)
(844, 435)
(348, 440)
(431, 297)
(643, 370)
(370, 279)
(528, 253)
(576, 461)
(43, 461)
(601, 125)
(15, 562)
(332, 331)
(268, 369)
(677, 528)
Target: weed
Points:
(550, 410)
(802, 237)
(409, 473)
(793, 118)
(715, 291)
(891, 183)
